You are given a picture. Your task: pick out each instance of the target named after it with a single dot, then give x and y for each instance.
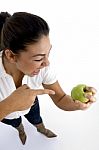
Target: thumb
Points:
(91, 89)
(43, 91)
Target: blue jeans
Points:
(33, 116)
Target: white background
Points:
(74, 33)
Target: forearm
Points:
(5, 108)
(67, 103)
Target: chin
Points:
(30, 75)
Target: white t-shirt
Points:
(47, 75)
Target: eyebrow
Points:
(41, 54)
(38, 55)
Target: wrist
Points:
(4, 109)
(9, 104)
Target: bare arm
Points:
(20, 99)
(5, 109)
(64, 101)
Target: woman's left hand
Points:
(91, 98)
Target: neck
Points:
(11, 69)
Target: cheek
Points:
(28, 65)
(22, 65)
(37, 64)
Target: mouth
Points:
(35, 72)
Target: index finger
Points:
(43, 91)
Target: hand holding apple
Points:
(83, 93)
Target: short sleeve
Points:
(49, 76)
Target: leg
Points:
(34, 118)
(17, 123)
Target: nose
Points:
(45, 63)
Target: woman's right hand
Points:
(23, 97)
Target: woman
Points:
(24, 67)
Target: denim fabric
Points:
(33, 116)
(13, 122)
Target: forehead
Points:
(41, 47)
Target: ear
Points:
(10, 56)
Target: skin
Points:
(30, 62)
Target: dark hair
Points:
(20, 30)
(3, 17)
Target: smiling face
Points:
(34, 58)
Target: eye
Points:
(39, 59)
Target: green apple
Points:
(79, 92)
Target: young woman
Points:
(24, 67)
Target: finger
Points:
(81, 105)
(87, 95)
(25, 86)
(43, 91)
(90, 97)
(84, 106)
(91, 89)
(87, 105)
